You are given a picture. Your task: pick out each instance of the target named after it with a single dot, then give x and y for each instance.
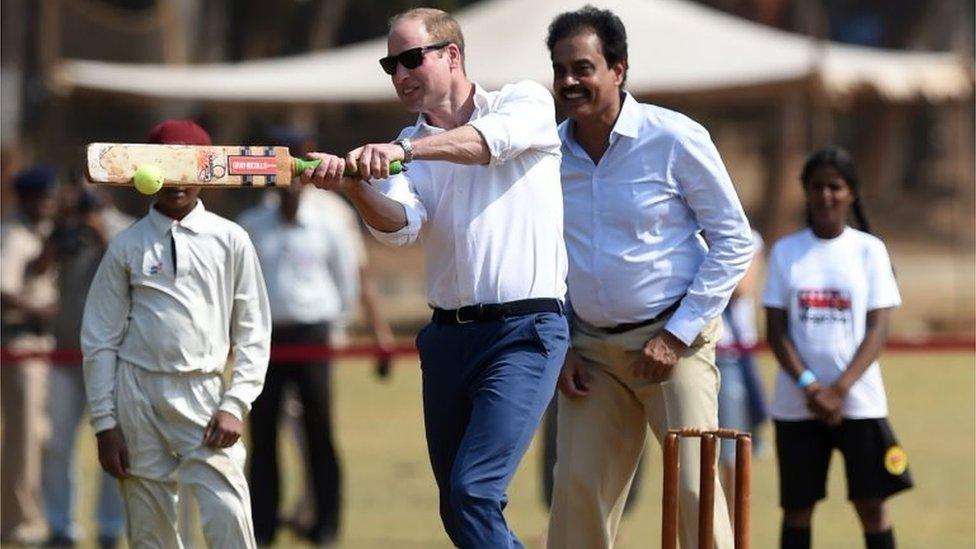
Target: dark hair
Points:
(840, 160)
(35, 181)
(604, 23)
(88, 202)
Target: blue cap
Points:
(36, 179)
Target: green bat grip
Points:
(300, 165)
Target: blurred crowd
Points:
(56, 228)
(53, 240)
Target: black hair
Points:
(604, 23)
(840, 160)
(88, 202)
(35, 181)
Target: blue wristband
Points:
(806, 379)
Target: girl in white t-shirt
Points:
(829, 293)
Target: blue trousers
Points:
(486, 386)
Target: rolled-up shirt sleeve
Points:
(524, 120)
(103, 328)
(402, 188)
(250, 331)
(704, 183)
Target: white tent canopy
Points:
(675, 47)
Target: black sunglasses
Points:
(410, 59)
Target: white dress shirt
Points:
(491, 233)
(140, 312)
(637, 223)
(309, 265)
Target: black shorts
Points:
(876, 466)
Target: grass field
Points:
(390, 500)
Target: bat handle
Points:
(299, 166)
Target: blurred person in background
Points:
(311, 271)
(657, 240)
(331, 204)
(85, 224)
(829, 293)
(741, 397)
(482, 196)
(302, 516)
(177, 302)
(28, 296)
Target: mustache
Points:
(573, 89)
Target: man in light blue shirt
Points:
(657, 240)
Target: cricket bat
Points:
(194, 165)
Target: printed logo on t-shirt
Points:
(824, 306)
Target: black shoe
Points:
(59, 540)
(321, 539)
(107, 542)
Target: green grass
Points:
(391, 501)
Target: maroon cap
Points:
(179, 132)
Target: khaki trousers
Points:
(601, 436)
(23, 401)
(162, 417)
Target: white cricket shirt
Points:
(491, 233)
(827, 288)
(185, 322)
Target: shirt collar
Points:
(192, 221)
(481, 99)
(627, 124)
(271, 213)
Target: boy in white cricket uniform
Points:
(174, 295)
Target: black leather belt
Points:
(621, 328)
(496, 311)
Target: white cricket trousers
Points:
(162, 417)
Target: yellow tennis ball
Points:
(148, 179)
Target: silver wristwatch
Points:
(407, 149)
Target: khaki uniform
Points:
(23, 384)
